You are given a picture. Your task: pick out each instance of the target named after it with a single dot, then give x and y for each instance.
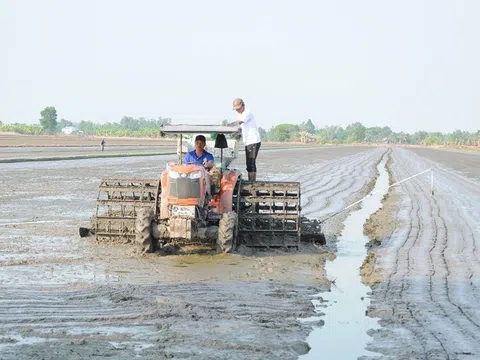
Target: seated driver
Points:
(199, 156)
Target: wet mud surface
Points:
(199, 320)
(425, 273)
(62, 296)
(11, 154)
(19, 148)
(68, 141)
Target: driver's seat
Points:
(221, 143)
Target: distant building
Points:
(69, 130)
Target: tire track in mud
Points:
(463, 224)
(399, 269)
(420, 194)
(441, 243)
(448, 282)
(469, 263)
(341, 190)
(408, 250)
(336, 176)
(343, 179)
(156, 320)
(462, 336)
(448, 270)
(466, 202)
(346, 172)
(332, 168)
(431, 265)
(435, 215)
(395, 271)
(432, 262)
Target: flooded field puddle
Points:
(135, 331)
(18, 340)
(343, 310)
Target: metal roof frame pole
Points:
(181, 148)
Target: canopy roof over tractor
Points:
(196, 129)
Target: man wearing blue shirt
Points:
(199, 156)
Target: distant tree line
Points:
(358, 133)
(19, 128)
(128, 126)
(286, 132)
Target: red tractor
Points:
(189, 205)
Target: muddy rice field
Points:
(66, 297)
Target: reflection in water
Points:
(344, 334)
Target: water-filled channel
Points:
(344, 333)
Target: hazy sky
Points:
(411, 65)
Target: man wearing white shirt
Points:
(250, 134)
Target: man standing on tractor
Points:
(250, 134)
(199, 156)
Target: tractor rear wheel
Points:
(226, 232)
(143, 229)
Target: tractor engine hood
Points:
(184, 186)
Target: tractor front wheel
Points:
(226, 232)
(143, 229)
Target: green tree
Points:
(48, 121)
(308, 127)
(25, 129)
(433, 140)
(283, 132)
(355, 132)
(418, 137)
(263, 133)
(331, 135)
(88, 127)
(63, 123)
(401, 138)
(130, 123)
(377, 134)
